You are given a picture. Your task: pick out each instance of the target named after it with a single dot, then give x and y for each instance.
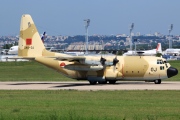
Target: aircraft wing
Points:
(89, 60)
(84, 63)
(69, 58)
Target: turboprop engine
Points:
(92, 64)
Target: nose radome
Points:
(171, 72)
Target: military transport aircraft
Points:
(101, 69)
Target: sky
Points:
(107, 17)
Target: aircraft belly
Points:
(140, 78)
(147, 76)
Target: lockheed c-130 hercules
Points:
(101, 69)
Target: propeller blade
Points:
(115, 61)
(102, 60)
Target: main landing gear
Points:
(102, 82)
(92, 82)
(112, 81)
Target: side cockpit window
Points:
(166, 64)
(161, 67)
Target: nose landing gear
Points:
(157, 81)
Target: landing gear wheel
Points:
(102, 82)
(92, 82)
(157, 81)
(112, 81)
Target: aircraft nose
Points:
(171, 72)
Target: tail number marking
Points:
(29, 47)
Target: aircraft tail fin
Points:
(30, 43)
(159, 48)
(43, 37)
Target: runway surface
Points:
(120, 85)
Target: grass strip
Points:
(89, 105)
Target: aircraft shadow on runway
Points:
(119, 83)
(87, 84)
(64, 84)
(67, 84)
(31, 83)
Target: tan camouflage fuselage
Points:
(128, 68)
(89, 67)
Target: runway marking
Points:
(120, 85)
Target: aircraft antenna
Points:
(87, 22)
(170, 38)
(130, 35)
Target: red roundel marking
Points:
(62, 64)
(28, 41)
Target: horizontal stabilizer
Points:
(15, 58)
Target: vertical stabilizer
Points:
(30, 43)
(159, 48)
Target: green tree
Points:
(7, 46)
(158, 55)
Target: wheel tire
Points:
(112, 81)
(92, 82)
(157, 81)
(102, 82)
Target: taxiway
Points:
(120, 85)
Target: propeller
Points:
(115, 61)
(102, 60)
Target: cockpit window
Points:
(161, 67)
(160, 61)
(166, 64)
